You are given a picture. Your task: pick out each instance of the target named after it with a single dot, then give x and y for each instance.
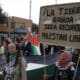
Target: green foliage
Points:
(3, 17)
(35, 28)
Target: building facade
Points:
(15, 25)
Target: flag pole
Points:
(56, 2)
(30, 11)
(30, 6)
(45, 76)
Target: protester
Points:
(63, 69)
(2, 50)
(6, 43)
(27, 48)
(2, 56)
(46, 49)
(42, 48)
(75, 58)
(12, 67)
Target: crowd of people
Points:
(12, 53)
(67, 65)
(13, 50)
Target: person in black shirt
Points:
(27, 48)
(75, 57)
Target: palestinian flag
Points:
(35, 45)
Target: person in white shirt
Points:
(2, 51)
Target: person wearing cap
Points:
(64, 68)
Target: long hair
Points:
(12, 49)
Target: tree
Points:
(35, 28)
(3, 16)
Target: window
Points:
(22, 25)
(13, 25)
(18, 25)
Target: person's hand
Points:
(45, 76)
(26, 51)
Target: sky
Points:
(21, 8)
